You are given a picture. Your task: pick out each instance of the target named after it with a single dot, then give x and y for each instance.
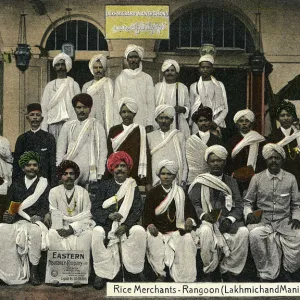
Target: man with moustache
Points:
(101, 89)
(84, 142)
(136, 84)
(174, 93)
(39, 141)
(57, 97)
(116, 209)
(274, 236)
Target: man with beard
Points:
(39, 141)
(56, 101)
(117, 241)
(274, 235)
(175, 94)
(84, 142)
(101, 90)
(138, 85)
(22, 233)
(219, 206)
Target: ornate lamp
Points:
(22, 53)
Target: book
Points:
(258, 213)
(14, 207)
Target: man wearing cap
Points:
(22, 233)
(39, 141)
(288, 137)
(274, 234)
(174, 93)
(131, 138)
(209, 92)
(167, 143)
(56, 101)
(197, 143)
(136, 84)
(117, 242)
(101, 89)
(169, 218)
(219, 206)
(245, 150)
(84, 142)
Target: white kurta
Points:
(140, 88)
(5, 164)
(69, 137)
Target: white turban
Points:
(207, 57)
(268, 149)
(247, 113)
(168, 63)
(95, 58)
(138, 49)
(218, 150)
(66, 58)
(130, 103)
(170, 165)
(165, 108)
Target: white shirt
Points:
(286, 132)
(204, 136)
(29, 182)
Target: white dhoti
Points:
(176, 251)
(107, 259)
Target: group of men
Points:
(79, 169)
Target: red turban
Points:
(116, 158)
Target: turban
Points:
(207, 57)
(66, 58)
(33, 106)
(138, 49)
(66, 164)
(247, 113)
(168, 164)
(26, 157)
(218, 150)
(130, 103)
(269, 148)
(83, 98)
(95, 58)
(116, 158)
(165, 108)
(203, 111)
(288, 106)
(168, 63)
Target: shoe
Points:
(34, 276)
(99, 283)
(160, 278)
(207, 277)
(76, 284)
(141, 277)
(228, 277)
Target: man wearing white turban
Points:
(136, 84)
(57, 97)
(174, 93)
(245, 150)
(219, 206)
(131, 138)
(209, 92)
(101, 89)
(167, 143)
(272, 212)
(169, 218)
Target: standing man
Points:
(166, 143)
(169, 218)
(84, 142)
(39, 141)
(136, 84)
(117, 207)
(57, 96)
(209, 92)
(101, 89)
(275, 235)
(216, 195)
(175, 94)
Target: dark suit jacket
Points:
(213, 140)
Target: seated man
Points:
(169, 218)
(117, 241)
(274, 236)
(22, 230)
(214, 194)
